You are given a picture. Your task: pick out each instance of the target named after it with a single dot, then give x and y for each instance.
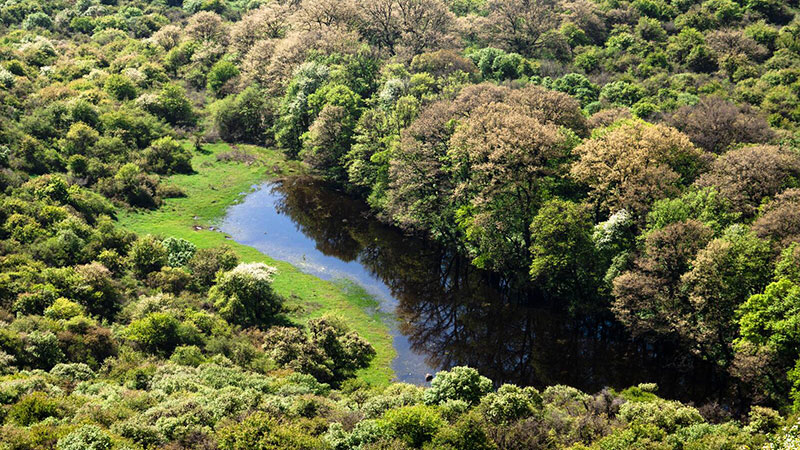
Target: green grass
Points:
(214, 187)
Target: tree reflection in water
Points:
(456, 314)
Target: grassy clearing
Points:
(219, 184)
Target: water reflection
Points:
(453, 314)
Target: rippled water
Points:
(449, 313)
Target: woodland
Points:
(638, 157)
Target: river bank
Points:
(221, 178)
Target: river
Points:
(446, 312)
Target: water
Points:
(448, 312)
(261, 221)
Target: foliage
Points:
(464, 121)
(459, 383)
(244, 295)
(331, 353)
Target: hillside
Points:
(638, 158)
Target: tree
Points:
(631, 165)
(165, 156)
(331, 352)
(244, 117)
(459, 383)
(780, 219)
(206, 26)
(715, 124)
(748, 175)
(120, 87)
(562, 251)
(723, 275)
(147, 255)
(705, 205)
(295, 113)
(244, 295)
(501, 159)
(221, 73)
(520, 25)
(768, 328)
(330, 136)
(648, 298)
(551, 107)
(425, 26)
(269, 21)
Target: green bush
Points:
(244, 295)
(33, 408)
(147, 255)
(221, 73)
(263, 432)
(120, 87)
(207, 262)
(414, 425)
(160, 333)
(458, 383)
(64, 309)
(87, 437)
(179, 251)
(165, 156)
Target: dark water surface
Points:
(450, 313)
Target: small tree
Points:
(160, 333)
(87, 437)
(459, 383)
(147, 255)
(166, 156)
(207, 262)
(244, 295)
(179, 251)
(120, 87)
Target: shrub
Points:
(42, 349)
(165, 156)
(188, 355)
(459, 383)
(664, 414)
(244, 295)
(510, 403)
(331, 353)
(131, 185)
(33, 408)
(264, 432)
(87, 437)
(469, 433)
(245, 117)
(179, 251)
(73, 372)
(172, 280)
(221, 73)
(147, 255)
(37, 19)
(414, 425)
(64, 309)
(160, 333)
(120, 87)
(173, 106)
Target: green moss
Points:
(218, 184)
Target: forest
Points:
(637, 157)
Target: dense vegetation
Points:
(635, 156)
